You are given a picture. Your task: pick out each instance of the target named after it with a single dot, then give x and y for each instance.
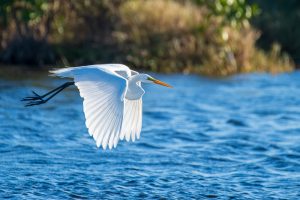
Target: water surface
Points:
(234, 138)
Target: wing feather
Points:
(103, 125)
(109, 127)
(103, 92)
(132, 120)
(109, 116)
(139, 128)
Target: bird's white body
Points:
(112, 103)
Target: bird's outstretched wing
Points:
(103, 92)
(132, 120)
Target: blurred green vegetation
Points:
(212, 37)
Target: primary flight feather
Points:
(112, 100)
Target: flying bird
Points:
(112, 100)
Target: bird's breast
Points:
(134, 92)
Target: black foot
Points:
(34, 100)
(36, 97)
(39, 99)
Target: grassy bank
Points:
(162, 36)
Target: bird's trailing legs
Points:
(39, 99)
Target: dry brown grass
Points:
(157, 35)
(171, 36)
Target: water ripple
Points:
(234, 138)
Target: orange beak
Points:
(162, 83)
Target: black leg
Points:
(39, 99)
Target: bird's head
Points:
(149, 79)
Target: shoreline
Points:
(22, 71)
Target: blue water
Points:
(233, 138)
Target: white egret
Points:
(112, 102)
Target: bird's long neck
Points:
(134, 91)
(136, 78)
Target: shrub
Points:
(184, 37)
(164, 40)
(196, 36)
(26, 26)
